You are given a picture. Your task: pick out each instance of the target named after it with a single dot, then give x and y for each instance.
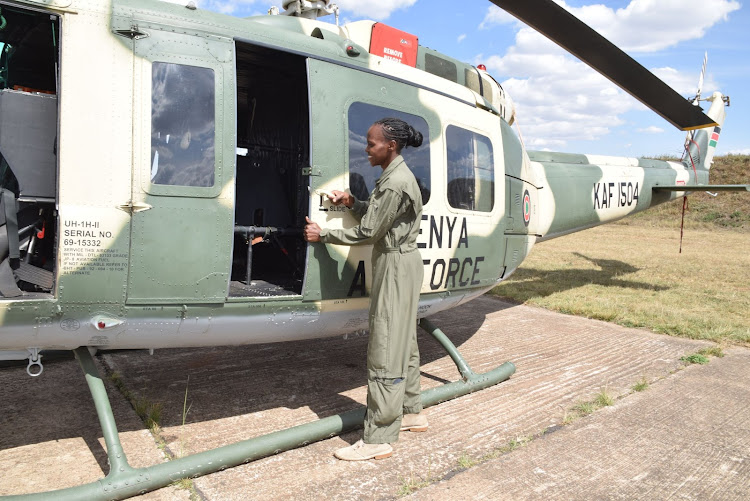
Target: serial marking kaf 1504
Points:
(615, 194)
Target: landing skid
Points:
(124, 481)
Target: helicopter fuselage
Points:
(183, 150)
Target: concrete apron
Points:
(686, 437)
(50, 437)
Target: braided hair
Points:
(395, 129)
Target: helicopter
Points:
(158, 161)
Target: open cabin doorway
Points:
(273, 150)
(29, 74)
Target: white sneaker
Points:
(361, 451)
(414, 422)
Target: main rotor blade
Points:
(570, 33)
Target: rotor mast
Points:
(309, 9)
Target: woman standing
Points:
(389, 221)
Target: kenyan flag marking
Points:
(526, 208)
(715, 136)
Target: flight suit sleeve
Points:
(359, 208)
(378, 218)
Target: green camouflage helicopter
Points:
(157, 163)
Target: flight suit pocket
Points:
(377, 346)
(370, 220)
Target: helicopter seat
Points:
(18, 228)
(8, 225)
(9, 247)
(3, 242)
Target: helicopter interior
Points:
(273, 142)
(29, 42)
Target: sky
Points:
(561, 104)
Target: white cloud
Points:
(229, 6)
(651, 130)
(740, 151)
(651, 25)
(461, 38)
(559, 98)
(495, 15)
(686, 83)
(378, 11)
(644, 25)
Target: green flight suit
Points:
(389, 221)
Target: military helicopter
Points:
(157, 163)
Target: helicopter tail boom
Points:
(583, 191)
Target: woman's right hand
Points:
(341, 197)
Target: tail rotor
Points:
(697, 97)
(700, 144)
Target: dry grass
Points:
(634, 276)
(641, 385)
(729, 210)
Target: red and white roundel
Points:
(526, 208)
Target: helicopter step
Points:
(124, 481)
(35, 275)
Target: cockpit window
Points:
(28, 50)
(182, 125)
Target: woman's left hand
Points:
(312, 231)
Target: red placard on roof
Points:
(394, 44)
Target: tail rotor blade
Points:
(700, 80)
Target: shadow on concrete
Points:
(543, 283)
(221, 382)
(56, 405)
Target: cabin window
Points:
(440, 67)
(362, 176)
(473, 81)
(182, 125)
(471, 178)
(487, 90)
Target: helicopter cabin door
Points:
(454, 169)
(183, 155)
(344, 104)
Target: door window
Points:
(362, 175)
(182, 125)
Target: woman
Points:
(389, 221)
